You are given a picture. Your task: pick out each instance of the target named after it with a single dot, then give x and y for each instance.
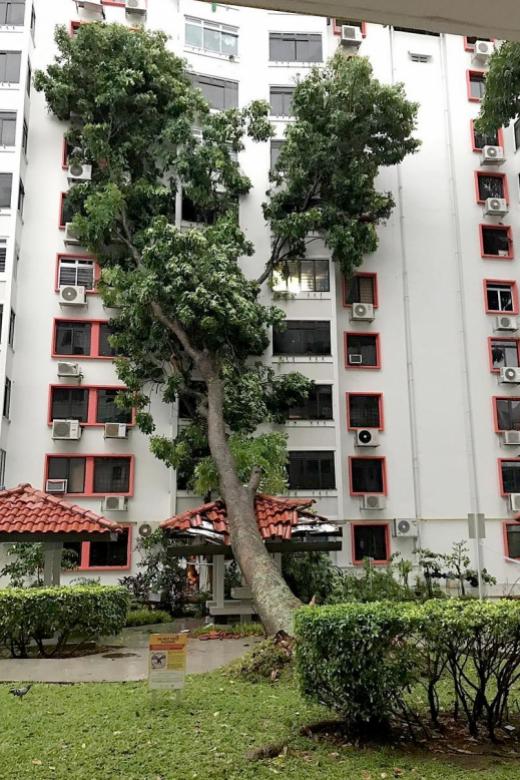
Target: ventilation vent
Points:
(416, 57)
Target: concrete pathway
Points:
(127, 661)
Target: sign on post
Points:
(167, 661)
(476, 526)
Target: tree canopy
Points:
(501, 101)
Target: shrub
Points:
(267, 661)
(309, 575)
(33, 615)
(147, 617)
(372, 584)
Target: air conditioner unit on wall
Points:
(506, 323)
(115, 431)
(136, 7)
(496, 207)
(367, 437)
(511, 438)
(71, 237)
(145, 530)
(90, 5)
(514, 502)
(114, 504)
(72, 295)
(351, 36)
(79, 172)
(483, 51)
(510, 375)
(405, 528)
(66, 429)
(69, 370)
(57, 486)
(492, 155)
(373, 502)
(363, 312)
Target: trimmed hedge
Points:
(363, 660)
(31, 615)
(147, 617)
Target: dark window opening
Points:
(367, 475)
(69, 403)
(504, 353)
(360, 289)
(513, 540)
(370, 541)
(364, 411)
(510, 470)
(105, 348)
(109, 553)
(111, 475)
(414, 31)
(500, 297)
(496, 241)
(72, 338)
(7, 398)
(317, 405)
(362, 350)
(302, 337)
(107, 409)
(295, 47)
(480, 140)
(508, 414)
(490, 186)
(477, 85)
(311, 471)
(71, 469)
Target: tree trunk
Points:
(272, 597)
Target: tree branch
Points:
(178, 331)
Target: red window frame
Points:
(494, 400)
(97, 270)
(345, 288)
(503, 228)
(336, 28)
(505, 526)
(88, 492)
(514, 291)
(64, 160)
(492, 175)
(469, 74)
(61, 223)
(115, 3)
(371, 524)
(94, 339)
(378, 351)
(500, 478)
(500, 136)
(91, 404)
(500, 338)
(84, 559)
(382, 458)
(381, 412)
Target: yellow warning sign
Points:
(167, 661)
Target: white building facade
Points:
(414, 373)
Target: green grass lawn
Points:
(121, 732)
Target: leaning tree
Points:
(188, 320)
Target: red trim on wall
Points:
(85, 555)
(381, 414)
(494, 400)
(469, 73)
(506, 228)
(378, 351)
(115, 3)
(336, 28)
(97, 270)
(94, 340)
(382, 458)
(500, 136)
(514, 290)
(89, 472)
(500, 338)
(493, 175)
(505, 526)
(345, 289)
(92, 403)
(371, 524)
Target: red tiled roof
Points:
(24, 510)
(276, 517)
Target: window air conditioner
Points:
(510, 375)
(367, 437)
(496, 207)
(355, 360)
(351, 36)
(483, 51)
(145, 530)
(115, 431)
(56, 486)
(79, 172)
(71, 295)
(71, 237)
(511, 438)
(505, 322)
(66, 429)
(514, 501)
(405, 528)
(69, 370)
(136, 7)
(492, 155)
(114, 504)
(373, 502)
(363, 312)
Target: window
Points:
(220, 93)
(302, 337)
(186, 470)
(69, 403)
(29, 79)
(479, 140)
(500, 296)
(367, 475)
(1, 316)
(295, 47)
(72, 337)
(12, 12)
(311, 471)
(364, 410)
(317, 405)
(67, 210)
(337, 24)
(476, 85)
(509, 476)
(370, 541)
(362, 350)
(93, 474)
(3, 255)
(276, 148)
(300, 276)
(12, 320)
(6, 186)
(517, 134)
(3, 458)
(413, 31)
(66, 153)
(512, 539)
(74, 28)
(76, 271)
(25, 136)
(89, 405)
(33, 21)
(107, 410)
(7, 128)
(490, 185)
(211, 36)
(280, 99)
(7, 398)
(105, 348)
(10, 62)
(21, 197)
(507, 414)
(361, 288)
(103, 554)
(496, 241)
(503, 352)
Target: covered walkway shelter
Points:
(29, 515)
(286, 526)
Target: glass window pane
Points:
(71, 469)
(194, 34)
(12, 67)
(6, 184)
(111, 475)
(513, 540)
(370, 542)
(490, 187)
(511, 476)
(72, 338)
(108, 553)
(105, 348)
(69, 404)
(229, 44)
(211, 39)
(364, 411)
(367, 475)
(365, 346)
(107, 410)
(14, 12)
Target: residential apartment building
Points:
(412, 424)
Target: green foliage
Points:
(374, 583)
(452, 565)
(269, 660)
(35, 614)
(501, 102)
(147, 617)
(309, 575)
(26, 562)
(229, 630)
